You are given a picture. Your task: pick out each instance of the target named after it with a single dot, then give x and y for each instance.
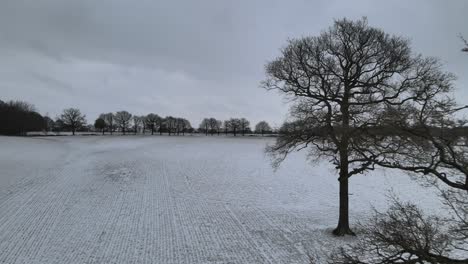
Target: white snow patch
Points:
(159, 199)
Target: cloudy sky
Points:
(189, 58)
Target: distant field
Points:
(160, 199)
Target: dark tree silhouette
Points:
(218, 126)
(58, 125)
(204, 126)
(182, 126)
(109, 118)
(226, 126)
(262, 127)
(171, 124)
(144, 124)
(234, 124)
(73, 119)
(123, 118)
(341, 82)
(244, 125)
(48, 124)
(100, 124)
(18, 118)
(138, 123)
(213, 125)
(153, 121)
(210, 125)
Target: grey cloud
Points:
(195, 58)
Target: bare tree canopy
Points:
(170, 123)
(342, 83)
(262, 127)
(210, 125)
(213, 125)
(109, 118)
(233, 125)
(182, 126)
(73, 119)
(204, 126)
(138, 123)
(154, 122)
(244, 125)
(123, 118)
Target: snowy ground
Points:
(153, 199)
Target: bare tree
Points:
(430, 143)
(123, 118)
(144, 124)
(110, 121)
(73, 119)
(226, 126)
(262, 127)
(58, 125)
(138, 123)
(100, 124)
(210, 125)
(213, 125)
(204, 126)
(218, 126)
(49, 123)
(341, 83)
(182, 125)
(153, 121)
(234, 124)
(403, 234)
(244, 125)
(171, 124)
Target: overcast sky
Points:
(192, 59)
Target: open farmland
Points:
(159, 199)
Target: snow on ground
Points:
(160, 199)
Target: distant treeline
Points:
(19, 118)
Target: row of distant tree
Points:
(125, 122)
(18, 118)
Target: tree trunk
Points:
(73, 131)
(343, 220)
(103, 131)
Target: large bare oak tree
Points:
(73, 119)
(342, 82)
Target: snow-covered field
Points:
(160, 199)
